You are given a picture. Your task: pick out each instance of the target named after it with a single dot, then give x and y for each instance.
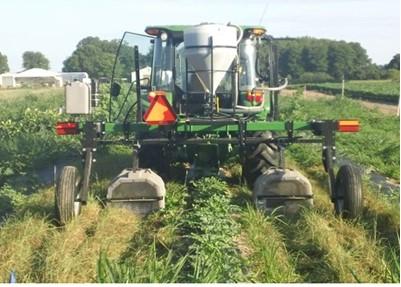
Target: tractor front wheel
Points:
(67, 205)
(348, 192)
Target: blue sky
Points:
(54, 27)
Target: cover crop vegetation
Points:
(209, 231)
(376, 145)
(27, 136)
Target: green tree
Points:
(361, 65)
(314, 56)
(94, 56)
(314, 60)
(3, 64)
(373, 72)
(340, 60)
(291, 60)
(394, 63)
(35, 60)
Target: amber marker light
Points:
(348, 126)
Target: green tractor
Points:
(199, 95)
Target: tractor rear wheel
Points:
(67, 206)
(154, 157)
(259, 159)
(348, 192)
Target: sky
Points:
(54, 27)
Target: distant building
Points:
(7, 80)
(144, 75)
(74, 76)
(38, 77)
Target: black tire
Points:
(348, 192)
(66, 194)
(259, 159)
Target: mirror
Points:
(265, 61)
(115, 89)
(262, 65)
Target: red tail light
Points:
(348, 126)
(67, 128)
(255, 96)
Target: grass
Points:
(20, 240)
(152, 269)
(348, 254)
(365, 249)
(157, 252)
(172, 245)
(77, 248)
(267, 256)
(44, 252)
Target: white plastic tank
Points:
(198, 41)
(141, 191)
(77, 98)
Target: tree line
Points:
(30, 59)
(300, 59)
(319, 60)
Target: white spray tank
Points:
(200, 41)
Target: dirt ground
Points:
(314, 96)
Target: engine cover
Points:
(141, 191)
(282, 187)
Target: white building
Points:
(7, 80)
(144, 73)
(41, 77)
(38, 77)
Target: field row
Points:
(208, 232)
(381, 91)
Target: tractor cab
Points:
(203, 70)
(179, 65)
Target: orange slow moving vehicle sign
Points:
(160, 112)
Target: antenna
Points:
(264, 12)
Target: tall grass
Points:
(156, 253)
(268, 260)
(363, 250)
(77, 247)
(152, 269)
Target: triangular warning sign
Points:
(160, 112)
